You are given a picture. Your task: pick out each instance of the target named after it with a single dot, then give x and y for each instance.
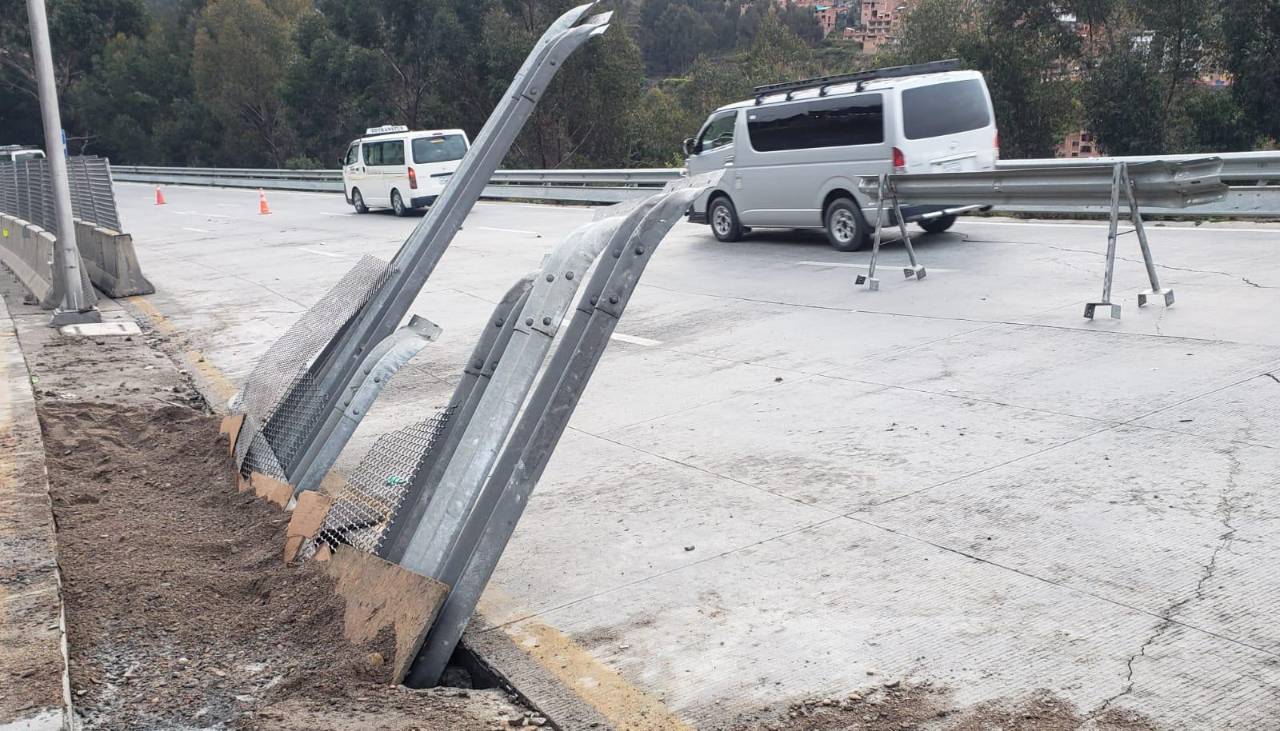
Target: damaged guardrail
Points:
(305, 398)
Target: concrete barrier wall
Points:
(110, 261)
(27, 250)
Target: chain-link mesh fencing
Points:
(375, 490)
(280, 400)
(26, 191)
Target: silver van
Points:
(793, 154)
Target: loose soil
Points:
(181, 612)
(894, 706)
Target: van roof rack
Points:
(861, 77)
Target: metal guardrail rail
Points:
(583, 186)
(1253, 179)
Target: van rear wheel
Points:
(937, 225)
(723, 218)
(397, 204)
(845, 226)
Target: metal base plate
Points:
(1091, 306)
(916, 271)
(68, 317)
(1167, 294)
(872, 283)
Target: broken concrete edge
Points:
(25, 427)
(109, 257)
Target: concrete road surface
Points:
(780, 486)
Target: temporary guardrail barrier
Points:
(1187, 182)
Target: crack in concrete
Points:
(1252, 283)
(1226, 509)
(1272, 376)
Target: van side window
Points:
(353, 155)
(718, 132)
(826, 122)
(393, 152)
(373, 153)
(439, 149)
(944, 109)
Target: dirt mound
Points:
(181, 613)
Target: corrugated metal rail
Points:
(1253, 180)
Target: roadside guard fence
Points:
(26, 192)
(1253, 180)
(440, 496)
(1106, 186)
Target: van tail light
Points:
(997, 144)
(413, 180)
(899, 161)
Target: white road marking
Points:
(197, 230)
(635, 340)
(198, 213)
(851, 265)
(509, 230)
(326, 213)
(1150, 226)
(321, 253)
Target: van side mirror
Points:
(690, 146)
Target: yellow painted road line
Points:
(222, 386)
(625, 706)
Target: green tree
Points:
(333, 90)
(78, 31)
(1251, 31)
(1122, 101)
(242, 48)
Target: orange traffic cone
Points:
(262, 202)
(159, 197)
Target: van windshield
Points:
(439, 149)
(944, 109)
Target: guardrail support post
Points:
(887, 190)
(1147, 260)
(1119, 176)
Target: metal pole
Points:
(76, 304)
(1136, 214)
(1119, 176)
(870, 277)
(915, 269)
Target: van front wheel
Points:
(357, 201)
(724, 220)
(846, 228)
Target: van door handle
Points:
(728, 160)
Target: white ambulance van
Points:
(393, 167)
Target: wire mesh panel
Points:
(375, 490)
(26, 191)
(280, 401)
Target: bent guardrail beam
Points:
(315, 417)
(472, 550)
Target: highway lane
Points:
(779, 485)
